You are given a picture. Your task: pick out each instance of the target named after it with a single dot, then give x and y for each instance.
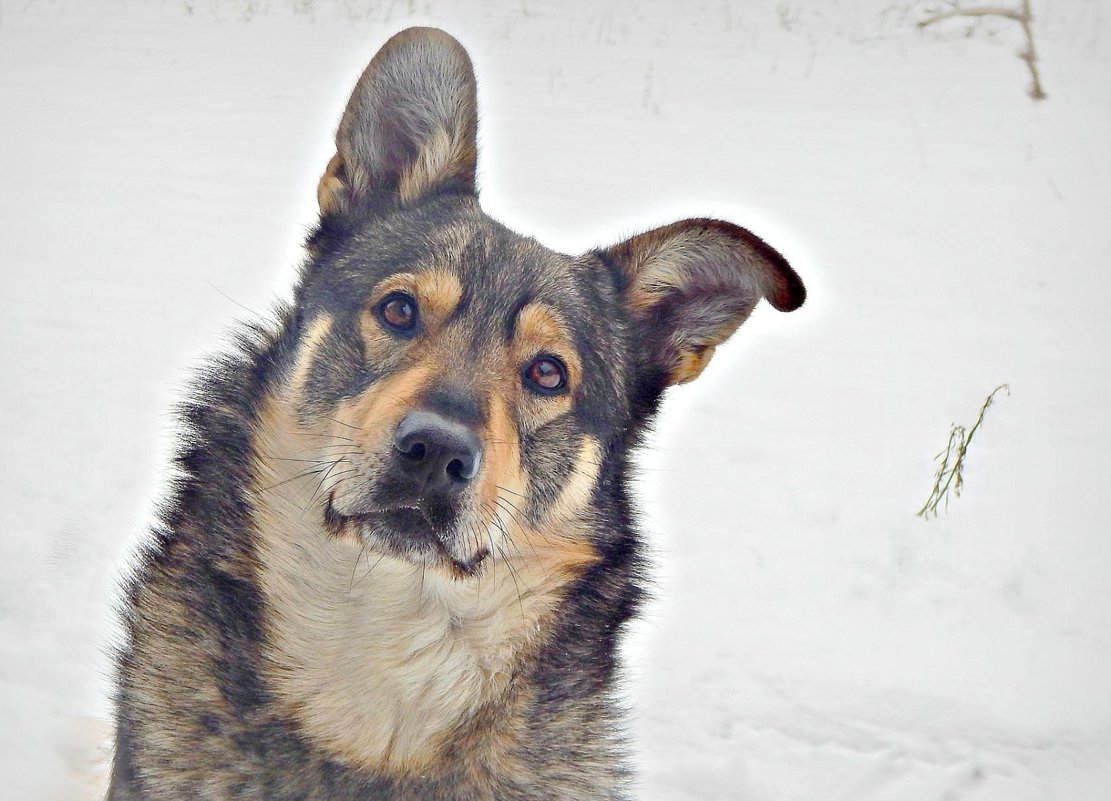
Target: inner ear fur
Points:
(409, 129)
(689, 285)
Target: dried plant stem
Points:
(1023, 17)
(950, 471)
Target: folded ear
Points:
(409, 128)
(689, 285)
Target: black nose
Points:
(438, 454)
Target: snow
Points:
(811, 638)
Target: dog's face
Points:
(465, 387)
(464, 380)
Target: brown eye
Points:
(398, 312)
(546, 375)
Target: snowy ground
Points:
(812, 638)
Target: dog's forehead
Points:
(498, 270)
(501, 271)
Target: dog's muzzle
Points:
(418, 501)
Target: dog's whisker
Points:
(354, 567)
(314, 504)
(324, 478)
(525, 531)
(506, 538)
(510, 507)
(333, 450)
(319, 434)
(348, 425)
(370, 570)
(283, 482)
(472, 530)
(493, 558)
(513, 575)
(308, 461)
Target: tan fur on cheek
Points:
(560, 545)
(502, 473)
(369, 418)
(579, 488)
(562, 538)
(310, 343)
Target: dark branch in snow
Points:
(1009, 13)
(1023, 17)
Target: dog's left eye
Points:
(546, 375)
(398, 312)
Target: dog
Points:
(400, 550)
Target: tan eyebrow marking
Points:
(380, 408)
(437, 292)
(541, 329)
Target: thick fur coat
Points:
(400, 551)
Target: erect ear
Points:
(409, 128)
(689, 285)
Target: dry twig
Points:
(1023, 17)
(950, 471)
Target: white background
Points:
(811, 638)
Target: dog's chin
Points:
(405, 532)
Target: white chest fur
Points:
(379, 659)
(379, 665)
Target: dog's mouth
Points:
(406, 531)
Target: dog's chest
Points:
(379, 660)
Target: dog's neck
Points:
(378, 659)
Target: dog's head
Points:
(464, 388)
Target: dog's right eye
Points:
(398, 313)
